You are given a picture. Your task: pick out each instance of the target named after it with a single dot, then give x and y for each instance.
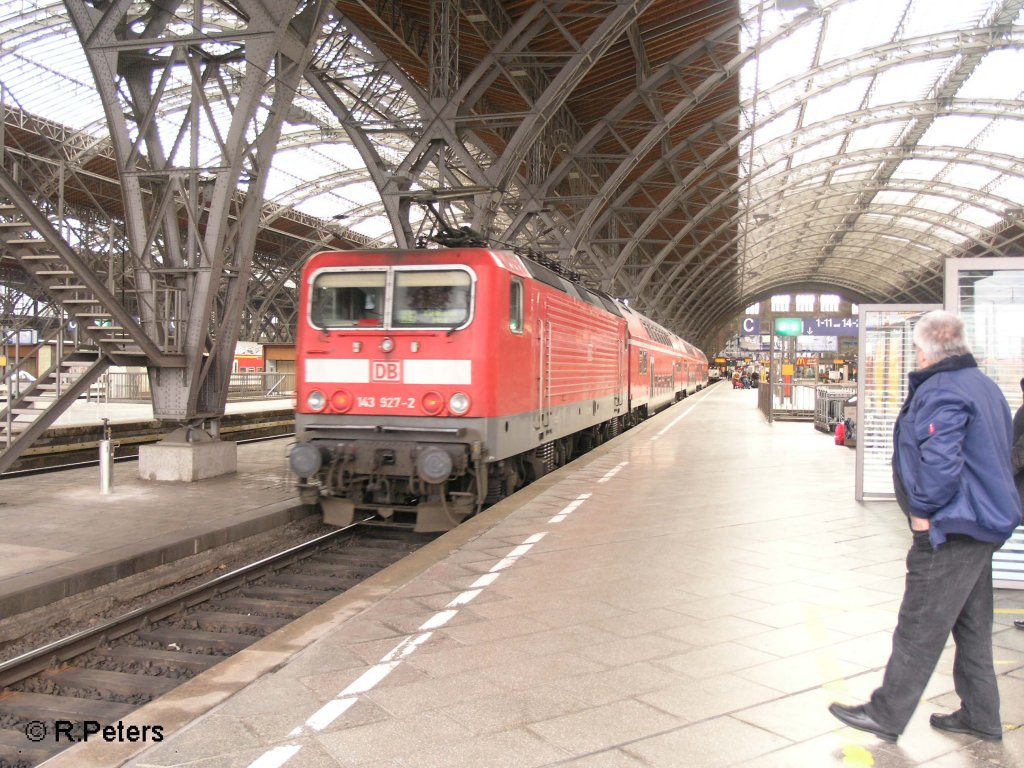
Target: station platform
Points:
(84, 411)
(693, 593)
(61, 536)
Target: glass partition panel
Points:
(885, 358)
(989, 295)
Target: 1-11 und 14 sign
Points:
(806, 326)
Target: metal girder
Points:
(690, 291)
(276, 295)
(191, 233)
(919, 49)
(1003, 163)
(444, 50)
(945, 89)
(615, 20)
(365, 97)
(445, 152)
(619, 166)
(821, 132)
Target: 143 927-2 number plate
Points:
(366, 401)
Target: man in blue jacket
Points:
(953, 479)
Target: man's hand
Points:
(920, 523)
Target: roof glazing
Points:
(884, 134)
(880, 137)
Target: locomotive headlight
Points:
(316, 400)
(387, 345)
(458, 403)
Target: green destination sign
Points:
(789, 326)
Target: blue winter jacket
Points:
(951, 457)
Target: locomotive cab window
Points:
(348, 299)
(431, 298)
(515, 317)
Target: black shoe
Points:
(954, 723)
(1019, 623)
(857, 717)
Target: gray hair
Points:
(940, 334)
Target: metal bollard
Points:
(106, 461)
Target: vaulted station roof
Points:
(694, 156)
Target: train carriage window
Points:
(348, 299)
(431, 298)
(515, 316)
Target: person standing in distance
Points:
(953, 479)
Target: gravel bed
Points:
(26, 632)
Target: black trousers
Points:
(947, 589)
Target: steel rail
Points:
(42, 658)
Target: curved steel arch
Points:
(444, 133)
(997, 109)
(835, 127)
(320, 184)
(734, 221)
(725, 37)
(709, 300)
(955, 192)
(686, 286)
(926, 48)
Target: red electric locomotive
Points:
(432, 382)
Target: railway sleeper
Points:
(338, 570)
(43, 706)
(290, 594)
(335, 584)
(16, 749)
(178, 639)
(355, 558)
(399, 542)
(218, 621)
(159, 659)
(110, 683)
(251, 605)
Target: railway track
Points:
(70, 446)
(57, 694)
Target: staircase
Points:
(29, 414)
(108, 333)
(81, 302)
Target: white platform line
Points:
(571, 507)
(276, 757)
(465, 597)
(612, 472)
(339, 705)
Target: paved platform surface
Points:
(60, 536)
(92, 412)
(691, 594)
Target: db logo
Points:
(385, 370)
